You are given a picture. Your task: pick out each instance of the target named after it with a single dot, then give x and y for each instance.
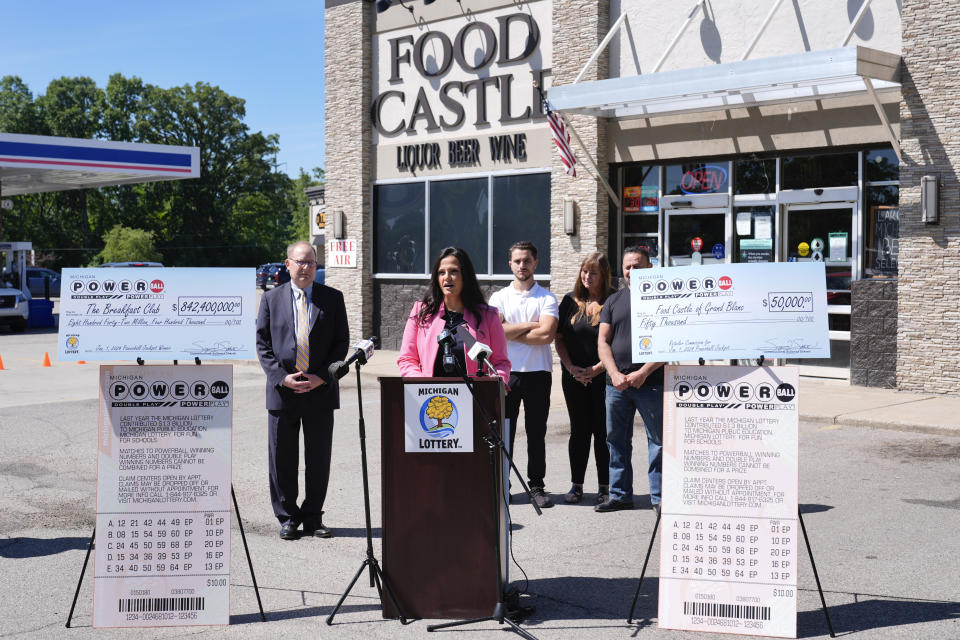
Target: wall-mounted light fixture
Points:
(383, 5)
(339, 225)
(930, 199)
(569, 217)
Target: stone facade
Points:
(349, 139)
(578, 28)
(928, 295)
(873, 333)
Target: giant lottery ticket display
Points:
(728, 546)
(163, 496)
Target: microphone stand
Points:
(494, 443)
(377, 577)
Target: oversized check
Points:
(163, 496)
(729, 524)
(157, 314)
(777, 310)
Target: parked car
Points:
(130, 264)
(36, 282)
(14, 308)
(277, 276)
(263, 272)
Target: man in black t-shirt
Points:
(631, 388)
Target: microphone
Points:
(479, 353)
(362, 352)
(447, 341)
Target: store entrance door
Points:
(696, 236)
(826, 233)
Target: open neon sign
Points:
(705, 179)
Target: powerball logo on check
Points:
(706, 287)
(438, 418)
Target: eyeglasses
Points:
(304, 264)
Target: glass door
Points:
(826, 233)
(696, 236)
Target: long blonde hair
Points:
(581, 295)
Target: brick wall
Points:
(578, 27)
(348, 136)
(873, 333)
(928, 296)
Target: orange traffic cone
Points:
(1, 364)
(46, 359)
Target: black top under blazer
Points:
(277, 344)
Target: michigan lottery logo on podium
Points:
(438, 418)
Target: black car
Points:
(272, 274)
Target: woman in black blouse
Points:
(583, 380)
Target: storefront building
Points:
(727, 132)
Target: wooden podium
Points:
(439, 528)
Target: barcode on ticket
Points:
(718, 610)
(138, 605)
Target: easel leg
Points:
(643, 571)
(816, 576)
(256, 589)
(82, 571)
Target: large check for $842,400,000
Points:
(157, 314)
(777, 310)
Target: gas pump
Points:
(14, 274)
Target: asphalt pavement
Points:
(878, 490)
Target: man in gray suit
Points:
(301, 330)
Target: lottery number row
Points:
(739, 549)
(163, 544)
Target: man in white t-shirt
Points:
(530, 315)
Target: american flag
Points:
(558, 125)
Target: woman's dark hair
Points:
(471, 295)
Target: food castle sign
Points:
(457, 94)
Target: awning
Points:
(38, 164)
(792, 78)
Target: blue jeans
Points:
(621, 408)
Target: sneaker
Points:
(612, 504)
(574, 495)
(540, 497)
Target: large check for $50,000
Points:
(777, 310)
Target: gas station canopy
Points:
(39, 164)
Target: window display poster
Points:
(837, 247)
(728, 545)
(756, 250)
(632, 199)
(650, 199)
(163, 496)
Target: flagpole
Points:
(596, 170)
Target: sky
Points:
(268, 53)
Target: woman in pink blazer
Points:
(453, 298)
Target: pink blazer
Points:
(418, 351)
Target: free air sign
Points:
(342, 253)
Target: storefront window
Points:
(811, 172)
(521, 211)
(881, 165)
(755, 176)
(696, 178)
(458, 217)
(399, 228)
(696, 238)
(881, 232)
(823, 235)
(753, 234)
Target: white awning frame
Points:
(802, 77)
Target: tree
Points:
(123, 244)
(240, 211)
